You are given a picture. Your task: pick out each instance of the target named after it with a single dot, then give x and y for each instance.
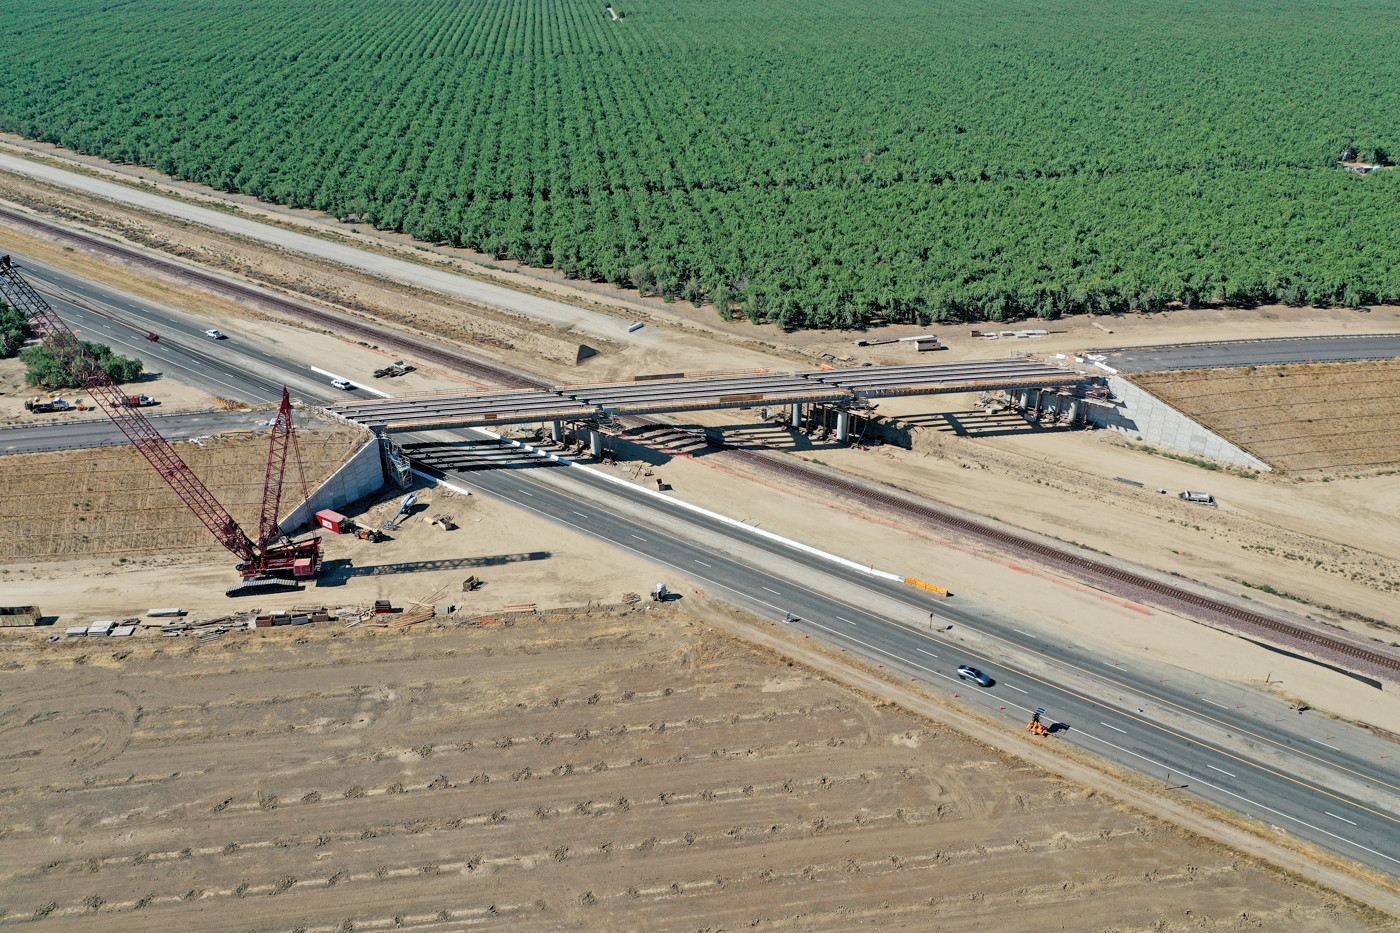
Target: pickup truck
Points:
(41, 404)
(140, 401)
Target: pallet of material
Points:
(413, 617)
(523, 607)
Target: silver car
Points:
(968, 672)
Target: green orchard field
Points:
(800, 161)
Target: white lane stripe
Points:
(1278, 813)
(1221, 770)
(1336, 817)
(768, 588)
(929, 653)
(1019, 632)
(369, 389)
(1255, 803)
(1114, 728)
(682, 504)
(1016, 688)
(1333, 747)
(640, 538)
(847, 621)
(579, 514)
(701, 562)
(1213, 703)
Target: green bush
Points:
(45, 371)
(14, 330)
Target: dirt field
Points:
(1315, 417)
(109, 501)
(623, 771)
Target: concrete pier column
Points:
(595, 443)
(556, 431)
(1026, 399)
(1076, 411)
(797, 414)
(843, 426)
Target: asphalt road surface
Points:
(557, 313)
(786, 581)
(98, 431)
(1318, 780)
(1253, 353)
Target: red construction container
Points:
(334, 521)
(302, 567)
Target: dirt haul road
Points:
(628, 770)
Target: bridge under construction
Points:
(841, 389)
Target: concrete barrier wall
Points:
(1144, 415)
(361, 475)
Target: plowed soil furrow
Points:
(679, 783)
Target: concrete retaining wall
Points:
(1144, 415)
(361, 475)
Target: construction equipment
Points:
(140, 401)
(264, 562)
(39, 404)
(1035, 726)
(398, 368)
(409, 501)
(365, 533)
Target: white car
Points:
(215, 334)
(345, 384)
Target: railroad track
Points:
(431, 351)
(1145, 588)
(423, 348)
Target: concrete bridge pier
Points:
(843, 426)
(556, 431)
(797, 414)
(595, 443)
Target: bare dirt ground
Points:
(1314, 417)
(172, 395)
(614, 770)
(108, 502)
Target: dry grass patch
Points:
(105, 501)
(1314, 416)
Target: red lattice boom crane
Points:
(262, 563)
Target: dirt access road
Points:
(625, 770)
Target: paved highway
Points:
(1253, 353)
(1334, 791)
(98, 431)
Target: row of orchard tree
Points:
(786, 161)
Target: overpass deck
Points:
(645, 395)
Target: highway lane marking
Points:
(1188, 710)
(1278, 813)
(1213, 703)
(640, 538)
(1075, 694)
(1115, 728)
(701, 562)
(1336, 817)
(929, 653)
(1016, 688)
(1221, 770)
(768, 588)
(847, 621)
(1027, 634)
(579, 514)
(530, 494)
(1333, 747)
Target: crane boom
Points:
(273, 553)
(92, 378)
